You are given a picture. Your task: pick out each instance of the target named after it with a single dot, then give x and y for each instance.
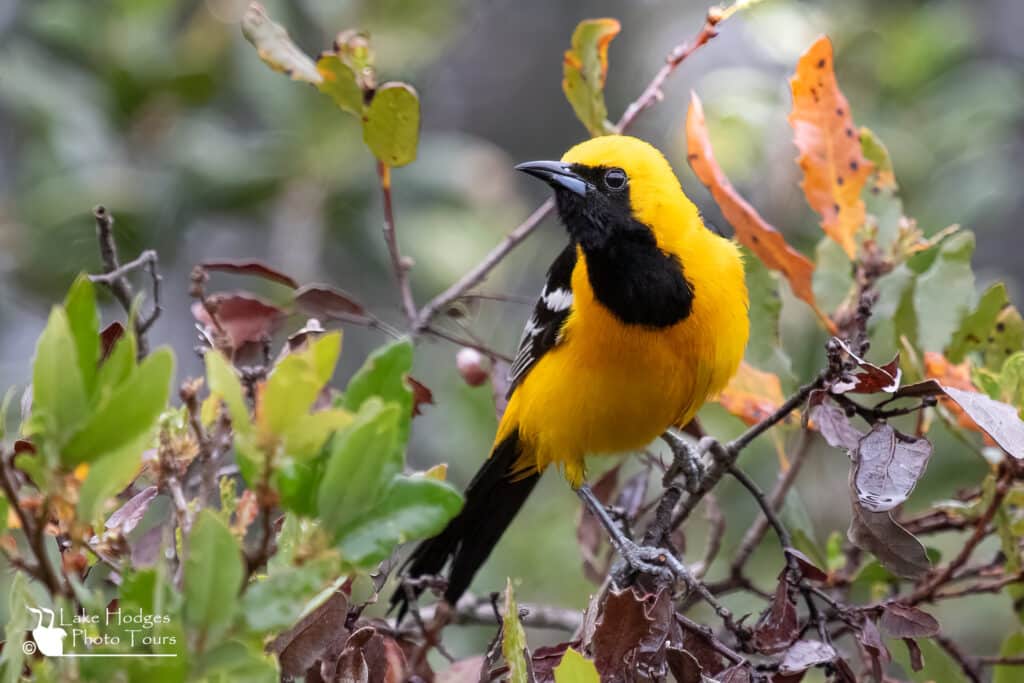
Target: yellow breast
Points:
(610, 387)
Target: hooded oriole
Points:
(642, 319)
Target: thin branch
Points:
(479, 272)
(35, 534)
(115, 276)
(473, 611)
(399, 264)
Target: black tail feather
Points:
(492, 500)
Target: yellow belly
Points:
(612, 388)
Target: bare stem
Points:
(398, 263)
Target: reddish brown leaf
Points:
(805, 654)
(421, 395)
(778, 627)
(545, 659)
(299, 647)
(900, 621)
(833, 424)
(590, 534)
(325, 301)
(250, 267)
(751, 394)
(243, 317)
(684, 666)
(128, 516)
(871, 379)
(696, 644)
(752, 231)
(914, 651)
(631, 635)
(888, 465)
(872, 641)
(809, 570)
(895, 547)
(834, 167)
(108, 337)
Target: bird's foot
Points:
(686, 462)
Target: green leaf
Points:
(275, 603)
(975, 328)
(575, 668)
(1011, 381)
(938, 666)
(84, 321)
(113, 471)
(59, 403)
(306, 437)
(584, 69)
(513, 640)
(339, 82)
(412, 508)
(1007, 338)
(131, 411)
(832, 280)
(275, 48)
(391, 124)
(234, 660)
(213, 574)
(19, 621)
(224, 383)
(383, 374)
(943, 293)
(1013, 646)
(295, 383)
(362, 462)
(117, 367)
(764, 350)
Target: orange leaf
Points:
(752, 230)
(752, 394)
(835, 169)
(958, 376)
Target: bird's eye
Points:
(615, 179)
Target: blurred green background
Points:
(161, 111)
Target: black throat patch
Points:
(630, 275)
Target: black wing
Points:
(543, 330)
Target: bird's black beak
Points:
(557, 174)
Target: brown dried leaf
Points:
(895, 547)
(900, 621)
(834, 167)
(778, 627)
(914, 651)
(325, 301)
(734, 674)
(697, 645)
(128, 516)
(545, 659)
(243, 317)
(631, 635)
(833, 424)
(421, 395)
(684, 666)
(872, 641)
(805, 654)
(108, 337)
(809, 570)
(872, 378)
(752, 230)
(888, 465)
(299, 647)
(252, 267)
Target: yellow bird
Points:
(643, 318)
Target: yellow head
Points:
(605, 181)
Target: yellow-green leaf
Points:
(59, 402)
(391, 124)
(575, 668)
(275, 47)
(584, 69)
(975, 327)
(513, 640)
(296, 382)
(224, 383)
(84, 321)
(339, 82)
(876, 152)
